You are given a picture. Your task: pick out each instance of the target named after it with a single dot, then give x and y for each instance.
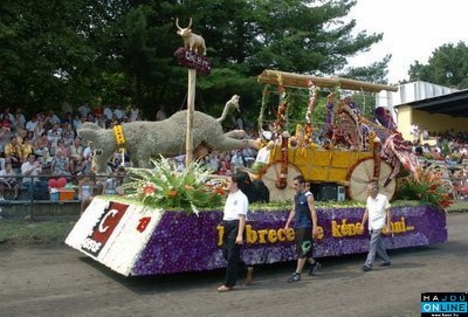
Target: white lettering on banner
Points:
(91, 245)
(111, 213)
(195, 59)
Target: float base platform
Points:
(136, 240)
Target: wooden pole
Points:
(192, 79)
(301, 81)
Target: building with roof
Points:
(429, 106)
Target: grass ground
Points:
(22, 232)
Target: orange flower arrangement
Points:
(428, 185)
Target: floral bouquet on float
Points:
(427, 186)
(166, 187)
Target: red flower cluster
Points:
(430, 186)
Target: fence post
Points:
(31, 195)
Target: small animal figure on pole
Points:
(192, 41)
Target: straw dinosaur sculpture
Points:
(146, 139)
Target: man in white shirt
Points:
(234, 218)
(32, 124)
(378, 214)
(119, 113)
(32, 167)
(54, 134)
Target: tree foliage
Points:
(121, 51)
(448, 66)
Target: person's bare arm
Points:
(364, 220)
(240, 231)
(313, 215)
(291, 217)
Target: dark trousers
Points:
(39, 189)
(231, 253)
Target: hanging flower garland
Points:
(376, 147)
(282, 107)
(262, 109)
(310, 108)
(281, 182)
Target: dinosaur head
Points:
(234, 102)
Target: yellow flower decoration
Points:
(119, 136)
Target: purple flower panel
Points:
(185, 242)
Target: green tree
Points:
(116, 51)
(448, 66)
(246, 37)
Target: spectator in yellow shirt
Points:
(27, 148)
(13, 152)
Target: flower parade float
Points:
(169, 221)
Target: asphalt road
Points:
(59, 281)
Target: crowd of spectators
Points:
(45, 144)
(447, 152)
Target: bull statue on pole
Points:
(192, 41)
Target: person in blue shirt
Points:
(305, 226)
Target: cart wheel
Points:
(361, 175)
(272, 173)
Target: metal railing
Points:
(35, 191)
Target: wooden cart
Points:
(280, 163)
(354, 170)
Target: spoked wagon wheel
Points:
(272, 173)
(361, 175)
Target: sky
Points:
(412, 30)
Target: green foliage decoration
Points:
(166, 187)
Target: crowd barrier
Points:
(39, 203)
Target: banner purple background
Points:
(183, 242)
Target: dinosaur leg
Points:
(100, 161)
(143, 160)
(134, 161)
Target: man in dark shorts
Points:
(305, 226)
